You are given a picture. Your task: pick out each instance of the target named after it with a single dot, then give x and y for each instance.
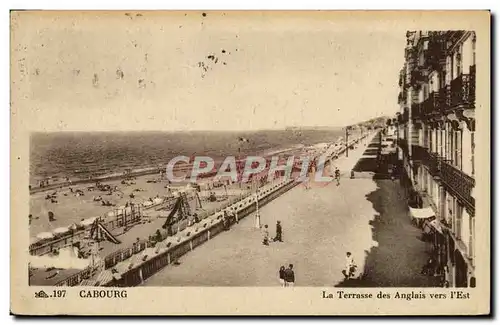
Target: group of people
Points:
(287, 276)
(278, 237)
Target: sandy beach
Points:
(71, 208)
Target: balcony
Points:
(416, 111)
(419, 153)
(453, 37)
(434, 104)
(433, 164)
(401, 119)
(404, 116)
(418, 77)
(463, 90)
(403, 144)
(459, 184)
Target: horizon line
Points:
(286, 128)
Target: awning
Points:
(422, 213)
(436, 225)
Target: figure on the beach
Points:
(337, 175)
(51, 216)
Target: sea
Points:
(82, 154)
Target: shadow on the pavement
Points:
(397, 259)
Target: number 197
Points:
(59, 294)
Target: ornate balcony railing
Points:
(459, 184)
(419, 153)
(401, 97)
(435, 55)
(403, 144)
(416, 111)
(447, 95)
(434, 164)
(405, 115)
(453, 37)
(418, 76)
(434, 104)
(463, 90)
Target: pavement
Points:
(365, 216)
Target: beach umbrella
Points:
(60, 230)
(45, 235)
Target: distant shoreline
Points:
(137, 172)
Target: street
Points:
(364, 216)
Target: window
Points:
(449, 154)
(451, 216)
(458, 219)
(471, 237)
(449, 72)
(430, 184)
(473, 48)
(429, 137)
(458, 61)
(472, 151)
(458, 149)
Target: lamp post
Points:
(257, 214)
(347, 141)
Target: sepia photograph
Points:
(276, 151)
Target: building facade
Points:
(436, 128)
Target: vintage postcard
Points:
(250, 163)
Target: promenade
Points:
(364, 216)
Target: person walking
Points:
(289, 276)
(279, 230)
(265, 240)
(337, 175)
(281, 274)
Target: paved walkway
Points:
(398, 257)
(363, 216)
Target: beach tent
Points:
(111, 214)
(45, 235)
(422, 213)
(88, 221)
(157, 200)
(147, 203)
(60, 231)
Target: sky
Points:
(186, 71)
